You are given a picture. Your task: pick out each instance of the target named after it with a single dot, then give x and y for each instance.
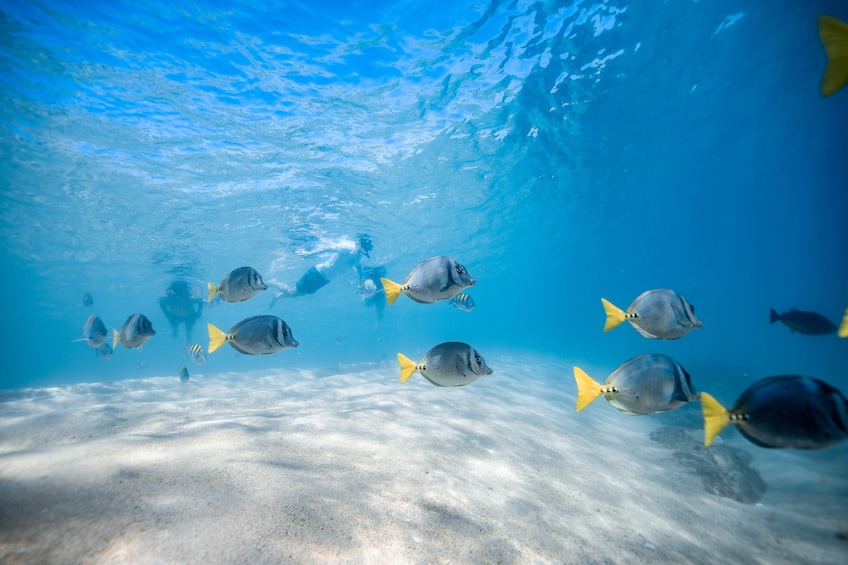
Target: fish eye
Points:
(459, 269)
(478, 359)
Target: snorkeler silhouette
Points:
(181, 306)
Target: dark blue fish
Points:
(257, 335)
(784, 411)
(183, 374)
(810, 323)
(87, 301)
(93, 332)
(135, 331)
(239, 285)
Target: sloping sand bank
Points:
(290, 466)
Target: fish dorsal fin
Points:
(834, 37)
(588, 389)
(716, 417)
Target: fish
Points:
(809, 323)
(136, 330)
(87, 300)
(93, 332)
(656, 314)
(239, 285)
(105, 350)
(646, 384)
(368, 288)
(833, 34)
(464, 302)
(843, 327)
(195, 353)
(437, 278)
(786, 411)
(183, 374)
(257, 335)
(448, 364)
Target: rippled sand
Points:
(293, 466)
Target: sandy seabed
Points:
(350, 466)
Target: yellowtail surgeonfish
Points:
(784, 411)
(87, 301)
(656, 314)
(448, 364)
(239, 285)
(834, 37)
(437, 278)
(257, 335)
(134, 333)
(93, 332)
(183, 374)
(643, 385)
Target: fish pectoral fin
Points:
(213, 292)
(217, 338)
(615, 315)
(716, 417)
(392, 289)
(116, 337)
(834, 37)
(407, 367)
(588, 389)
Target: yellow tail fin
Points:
(716, 417)
(843, 327)
(588, 389)
(407, 367)
(217, 338)
(834, 36)
(116, 337)
(392, 289)
(213, 292)
(615, 315)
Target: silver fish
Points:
(239, 285)
(105, 350)
(134, 333)
(257, 335)
(93, 332)
(656, 314)
(448, 364)
(464, 302)
(183, 374)
(437, 278)
(643, 385)
(788, 411)
(195, 353)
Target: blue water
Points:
(562, 151)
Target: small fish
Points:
(135, 331)
(183, 374)
(843, 327)
(257, 335)
(195, 353)
(463, 302)
(368, 288)
(105, 350)
(643, 385)
(87, 301)
(834, 37)
(448, 364)
(787, 411)
(656, 314)
(810, 323)
(437, 278)
(93, 332)
(239, 285)
(142, 365)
